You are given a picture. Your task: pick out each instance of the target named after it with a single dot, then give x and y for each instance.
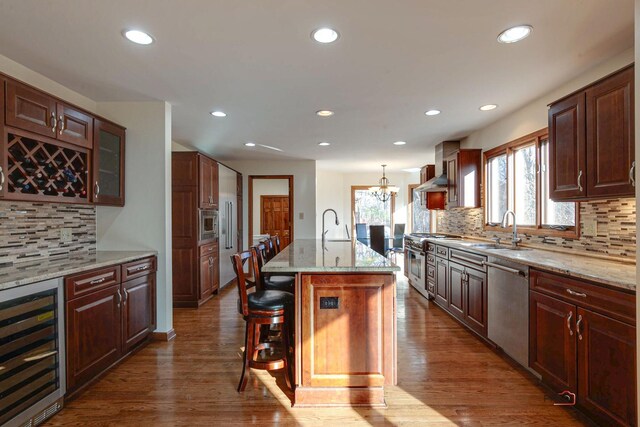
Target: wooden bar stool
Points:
(273, 281)
(262, 307)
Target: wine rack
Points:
(42, 170)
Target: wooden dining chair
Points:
(263, 307)
(376, 237)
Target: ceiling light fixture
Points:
(325, 35)
(250, 144)
(399, 143)
(515, 34)
(138, 37)
(324, 113)
(218, 114)
(384, 190)
(324, 144)
(432, 112)
(488, 107)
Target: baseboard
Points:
(164, 336)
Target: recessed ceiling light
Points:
(488, 107)
(412, 170)
(325, 113)
(515, 34)
(324, 144)
(250, 144)
(325, 35)
(399, 143)
(432, 112)
(218, 114)
(139, 37)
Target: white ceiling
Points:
(256, 61)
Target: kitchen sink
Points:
(485, 246)
(509, 248)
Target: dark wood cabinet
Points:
(208, 185)
(476, 300)
(206, 276)
(456, 292)
(442, 282)
(464, 172)
(106, 319)
(591, 140)
(585, 343)
(30, 109)
(108, 164)
(74, 126)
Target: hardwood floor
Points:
(446, 377)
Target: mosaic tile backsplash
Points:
(616, 230)
(29, 231)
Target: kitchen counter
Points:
(308, 255)
(615, 274)
(51, 268)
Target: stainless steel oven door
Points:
(208, 224)
(416, 268)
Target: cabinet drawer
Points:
(431, 259)
(208, 250)
(431, 248)
(138, 268)
(431, 272)
(442, 251)
(91, 281)
(468, 259)
(617, 304)
(431, 287)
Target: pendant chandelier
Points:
(384, 191)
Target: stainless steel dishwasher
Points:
(508, 308)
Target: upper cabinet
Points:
(432, 199)
(55, 152)
(591, 140)
(108, 164)
(464, 176)
(208, 172)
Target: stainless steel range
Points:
(416, 264)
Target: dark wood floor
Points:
(446, 377)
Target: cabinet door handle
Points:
(569, 323)
(61, 124)
(144, 267)
(54, 122)
(126, 296)
(576, 294)
(632, 173)
(96, 189)
(580, 181)
(119, 298)
(578, 327)
(40, 356)
(1, 178)
(96, 281)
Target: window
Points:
(366, 208)
(420, 215)
(517, 178)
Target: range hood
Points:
(439, 182)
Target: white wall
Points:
(304, 190)
(533, 116)
(145, 220)
(175, 146)
(333, 190)
(266, 187)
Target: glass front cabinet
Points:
(108, 164)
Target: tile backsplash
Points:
(616, 228)
(29, 231)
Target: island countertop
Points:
(309, 255)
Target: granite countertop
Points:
(51, 268)
(308, 255)
(612, 273)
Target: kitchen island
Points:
(345, 322)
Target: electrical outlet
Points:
(590, 228)
(301, 215)
(65, 235)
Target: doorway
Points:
(271, 208)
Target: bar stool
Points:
(262, 307)
(270, 282)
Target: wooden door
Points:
(610, 136)
(206, 276)
(108, 164)
(205, 183)
(137, 310)
(552, 342)
(607, 368)
(94, 331)
(475, 310)
(457, 284)
(30, 109)
(452, 180)
(74, 126)
(442, 285)
(567, 148)
(274, 218)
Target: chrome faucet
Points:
(324, 232)
(505, 223)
